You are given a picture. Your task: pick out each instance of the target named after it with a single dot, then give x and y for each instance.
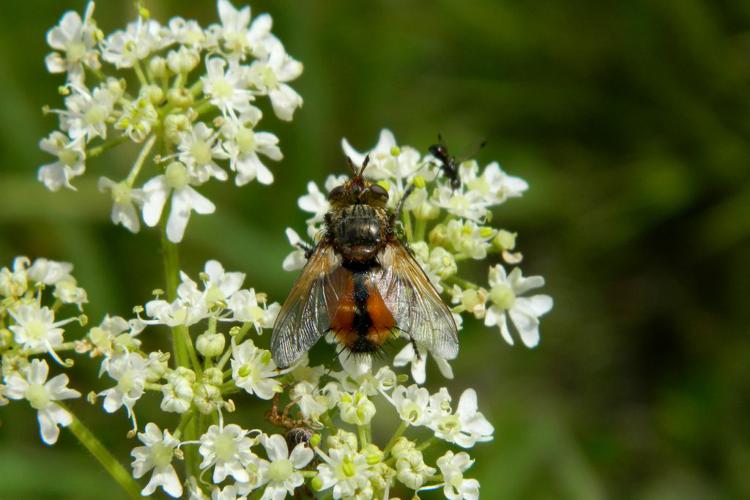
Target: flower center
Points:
(280, 470)
(245, 370)
(95, 114)
(75, 51)
(449, 424)
(503, 297)
(348, 468)
(161, 454)
(67, 157)
(121, 193)
(38, 396)
(222, 89)
(126, 382)
(176, 174)
(225, 447)
(246, 140)
(269, 78)
(214, 295)
(201, 151)
(35, 330)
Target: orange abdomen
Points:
(362, 322)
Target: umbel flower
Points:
(191, 98)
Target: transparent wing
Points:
(306, 313)
(415, 304)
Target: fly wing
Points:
(415, 304)
(306, 313)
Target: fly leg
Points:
(400, 206)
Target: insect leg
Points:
(400, 206)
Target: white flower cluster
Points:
(191, 96)
(32, 295)
(445, 226)
(333, 410)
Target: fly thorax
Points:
(358, 232)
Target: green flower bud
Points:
(210, 345)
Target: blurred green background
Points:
(630, 120)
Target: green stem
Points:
(420, 228)
(139, 73)
(101, 148)
(182, 345)
(105, 458)
(362, 432)
(426, 444)
(140, 160)
(399, 432)
(461, 282)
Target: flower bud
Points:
(180, 98)
(154, 94)
(213, 376)
(210, 345)
(316, 483)
(183, 60)
(504, 240)
(158, 67)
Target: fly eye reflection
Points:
(379, 192)
(337, 192)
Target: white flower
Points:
(198, 149)
(86, 113)
(412, 403)
(42, 396)
(130, 372)
(411, 469)
(314, 202)
(227, 449)
(270, 78)
(468, 204)
(14, 283)
(469, 239)
(505, 295)
(186, 32)
(246, 308)
(452, 467)
(138, 118)
(466, 426)
(177, 182)
(243, 147)
(35, 327)
(125, 199)
(388, 161)
(219, 285)
(238, 35)
(225, 87)
(296, 259)
(281, 473)
(345, 470)
(188, 308)
(418, 362)
(178, 391)
(71, 161)
(494, 185)
(76, 40)
(157, 455)
(140, 38)
(356, 408)
(114, 334)
(253, 369)
(312, 404)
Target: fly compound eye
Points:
(379, 192)
(337, 193)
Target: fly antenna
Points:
(351, 165)
(364, 165)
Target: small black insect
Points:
(448, 163)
